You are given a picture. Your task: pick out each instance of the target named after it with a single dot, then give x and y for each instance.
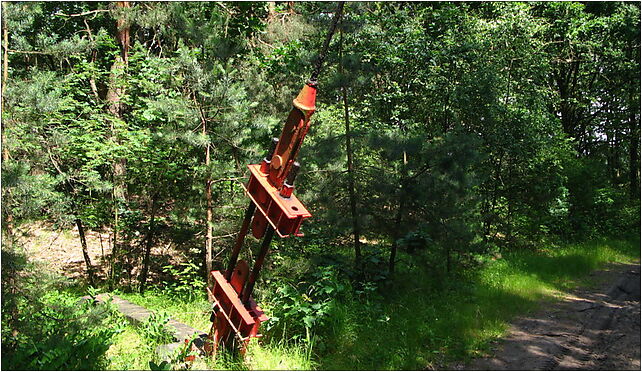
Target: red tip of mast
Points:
(306, 100)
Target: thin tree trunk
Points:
(5, 43)
(5, 79)
(208, 222)
(114, 246)
(634, 135)
(489, 216)
(609, 143)
(102, 249)
(485, 210)
(448, 258)
(5, 60)
(395, 237)
(115, 107)
(85, 252)
(110, 242)
(445, 124)
(356, 230)
(148, 244)
(509, 213)
(208, 194)
(634, 160)
(617, 163)
(400, 211)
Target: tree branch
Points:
(28, 52)
(83, 13)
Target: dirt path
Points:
(595, 328)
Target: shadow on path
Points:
(590, 329)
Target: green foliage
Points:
(296, 311)
(280, 356)
(476, 128)
(155, 329)
(420, 323)
(595, 207)
(186, 283)
(162, 366)
(46, 326)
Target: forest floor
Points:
(60, 251)
(593, 328)
(575, 321)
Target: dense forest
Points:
(449, 136)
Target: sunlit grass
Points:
(279, 356)
(417, 323)
(418, 326)
(195, 313)
(128, 352)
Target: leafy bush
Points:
(155, 329)
(47, 327)
(297, 310)
(595, 206)
(188, 283)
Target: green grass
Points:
(127, 352)
(422, 320)
(195, 312)
(279, 356)
(419, 326)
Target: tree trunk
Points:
(115, 107)
(114, 247)
(208, 194)
(446, 125)
(356, 230)
(395, 237)
(5, 72)
(208, 222)
(5, 79)
(564, 77)
(149, 241)
(634, 160)
(116, 89)
(448, 258)
(617, 159)
(634, 135)
(492, 203)
(5, 65)
(85, 252)
(400, 211)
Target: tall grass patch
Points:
(417, 325)
(420, 319)
(194, 312)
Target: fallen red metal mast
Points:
(273, 209)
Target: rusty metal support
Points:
(288, 185)
(239, 240)
(248, 218)
(258, 263)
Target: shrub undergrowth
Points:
(422, 318)
(45, 323)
